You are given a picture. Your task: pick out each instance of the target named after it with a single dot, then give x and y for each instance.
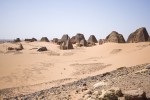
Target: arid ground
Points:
(29, 71)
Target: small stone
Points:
(99, 84)
(42, 49)
(84, 84)
(117, 91)
(135, 95)
(86, 96)
(96, 93)
(108, 95)
(77, 91)
(88, 92)
(90, 98)
(84, 88)
(148, 66)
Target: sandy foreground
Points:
(42, 70)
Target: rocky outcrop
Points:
(44, 39)
(115, 93)
(140, 35)
(17, 40)
(125, 78)
(110, 94)
(42, 49)
(115, 37)
(92, 40)
(31, 40)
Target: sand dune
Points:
(29, 67)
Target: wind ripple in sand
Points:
(115, 51)
(53, 53)
(67, 53)
(88, 68)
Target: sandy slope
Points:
(29, 67)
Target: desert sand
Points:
(29, 70)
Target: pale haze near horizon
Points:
(53, 18)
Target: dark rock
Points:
(42, 49)
(84, 84)
(140, 35)
(55, 40)
(148, 66)
(115, 37)
(83, 43)
(20, 47)
(65, 38)
(79, 37)
(101, 41)
(66, 45)
(135, 95)
(63, 46)
(149, 39)
(34, 39)
(69, 44)
(92, 40)
(11, 48)
(17, 40)
(31, 40)
(84, 88)
(17, 49)
(59, 42)
(44, 39)
(73, 40)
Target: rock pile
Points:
(119, 84)
(114, 93)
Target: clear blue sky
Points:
(53, 18)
